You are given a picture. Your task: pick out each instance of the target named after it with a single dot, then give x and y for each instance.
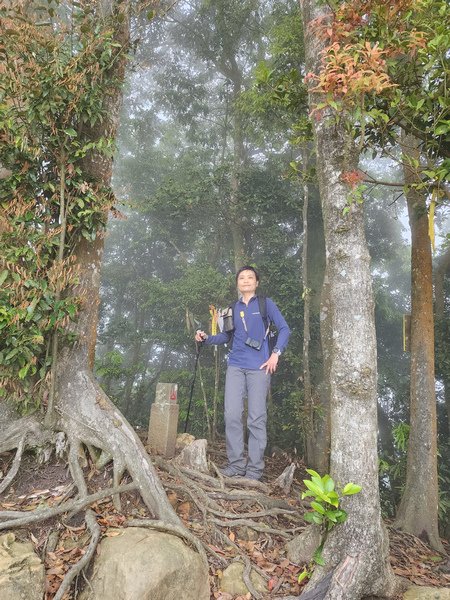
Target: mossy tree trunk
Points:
(357, 550)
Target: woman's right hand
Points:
(200, 336)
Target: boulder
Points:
(142, 564)
(193, 456)
(232, 581)
(417, 592)
(301, 549)
(22, 575)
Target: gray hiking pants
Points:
(255, 385)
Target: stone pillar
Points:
(163, 426)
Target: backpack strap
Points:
(262, 302)
(269, 333)
(230, 343)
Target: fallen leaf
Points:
(58, 571)
(272, 583)
(184, 509)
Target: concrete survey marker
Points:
(162, 430)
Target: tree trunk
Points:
(418, 510)
(307, 394)
(135, 356)
(355, 551)
(322, 423)
(318, 438)
(85, 413)
(442, 272)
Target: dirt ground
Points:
(61, 541)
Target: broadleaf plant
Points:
(326, 510)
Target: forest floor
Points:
(220, 513)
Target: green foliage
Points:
(51, 99)
(326, 509)
(390, 71)
(401, 436)
(275, 106)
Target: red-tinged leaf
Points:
(272, 583)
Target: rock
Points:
(417, 592)
(183, 440)
(284, 481)
(194, 456)
(22, 575)
(247, 533)
(300, 550)
(142, 564)
(232, 581)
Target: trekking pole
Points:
(198, 346)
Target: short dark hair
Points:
(247, 268)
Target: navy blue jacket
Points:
(244, 356)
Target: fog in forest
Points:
(211, 174)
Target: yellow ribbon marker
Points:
(214, 318)
(431, 220)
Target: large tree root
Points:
(20, 518)
(206, 492)
(8, 479)
(88, 418)
(87, 415)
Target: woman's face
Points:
(246, 282)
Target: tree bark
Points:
(418, 510)
(307, 393)
(318, 445)
(84, 411)
(356, 552)
(442, 272)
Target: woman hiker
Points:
(250, 365)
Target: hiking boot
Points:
(254, 476)
(230, 472)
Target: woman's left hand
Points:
(270, 365)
